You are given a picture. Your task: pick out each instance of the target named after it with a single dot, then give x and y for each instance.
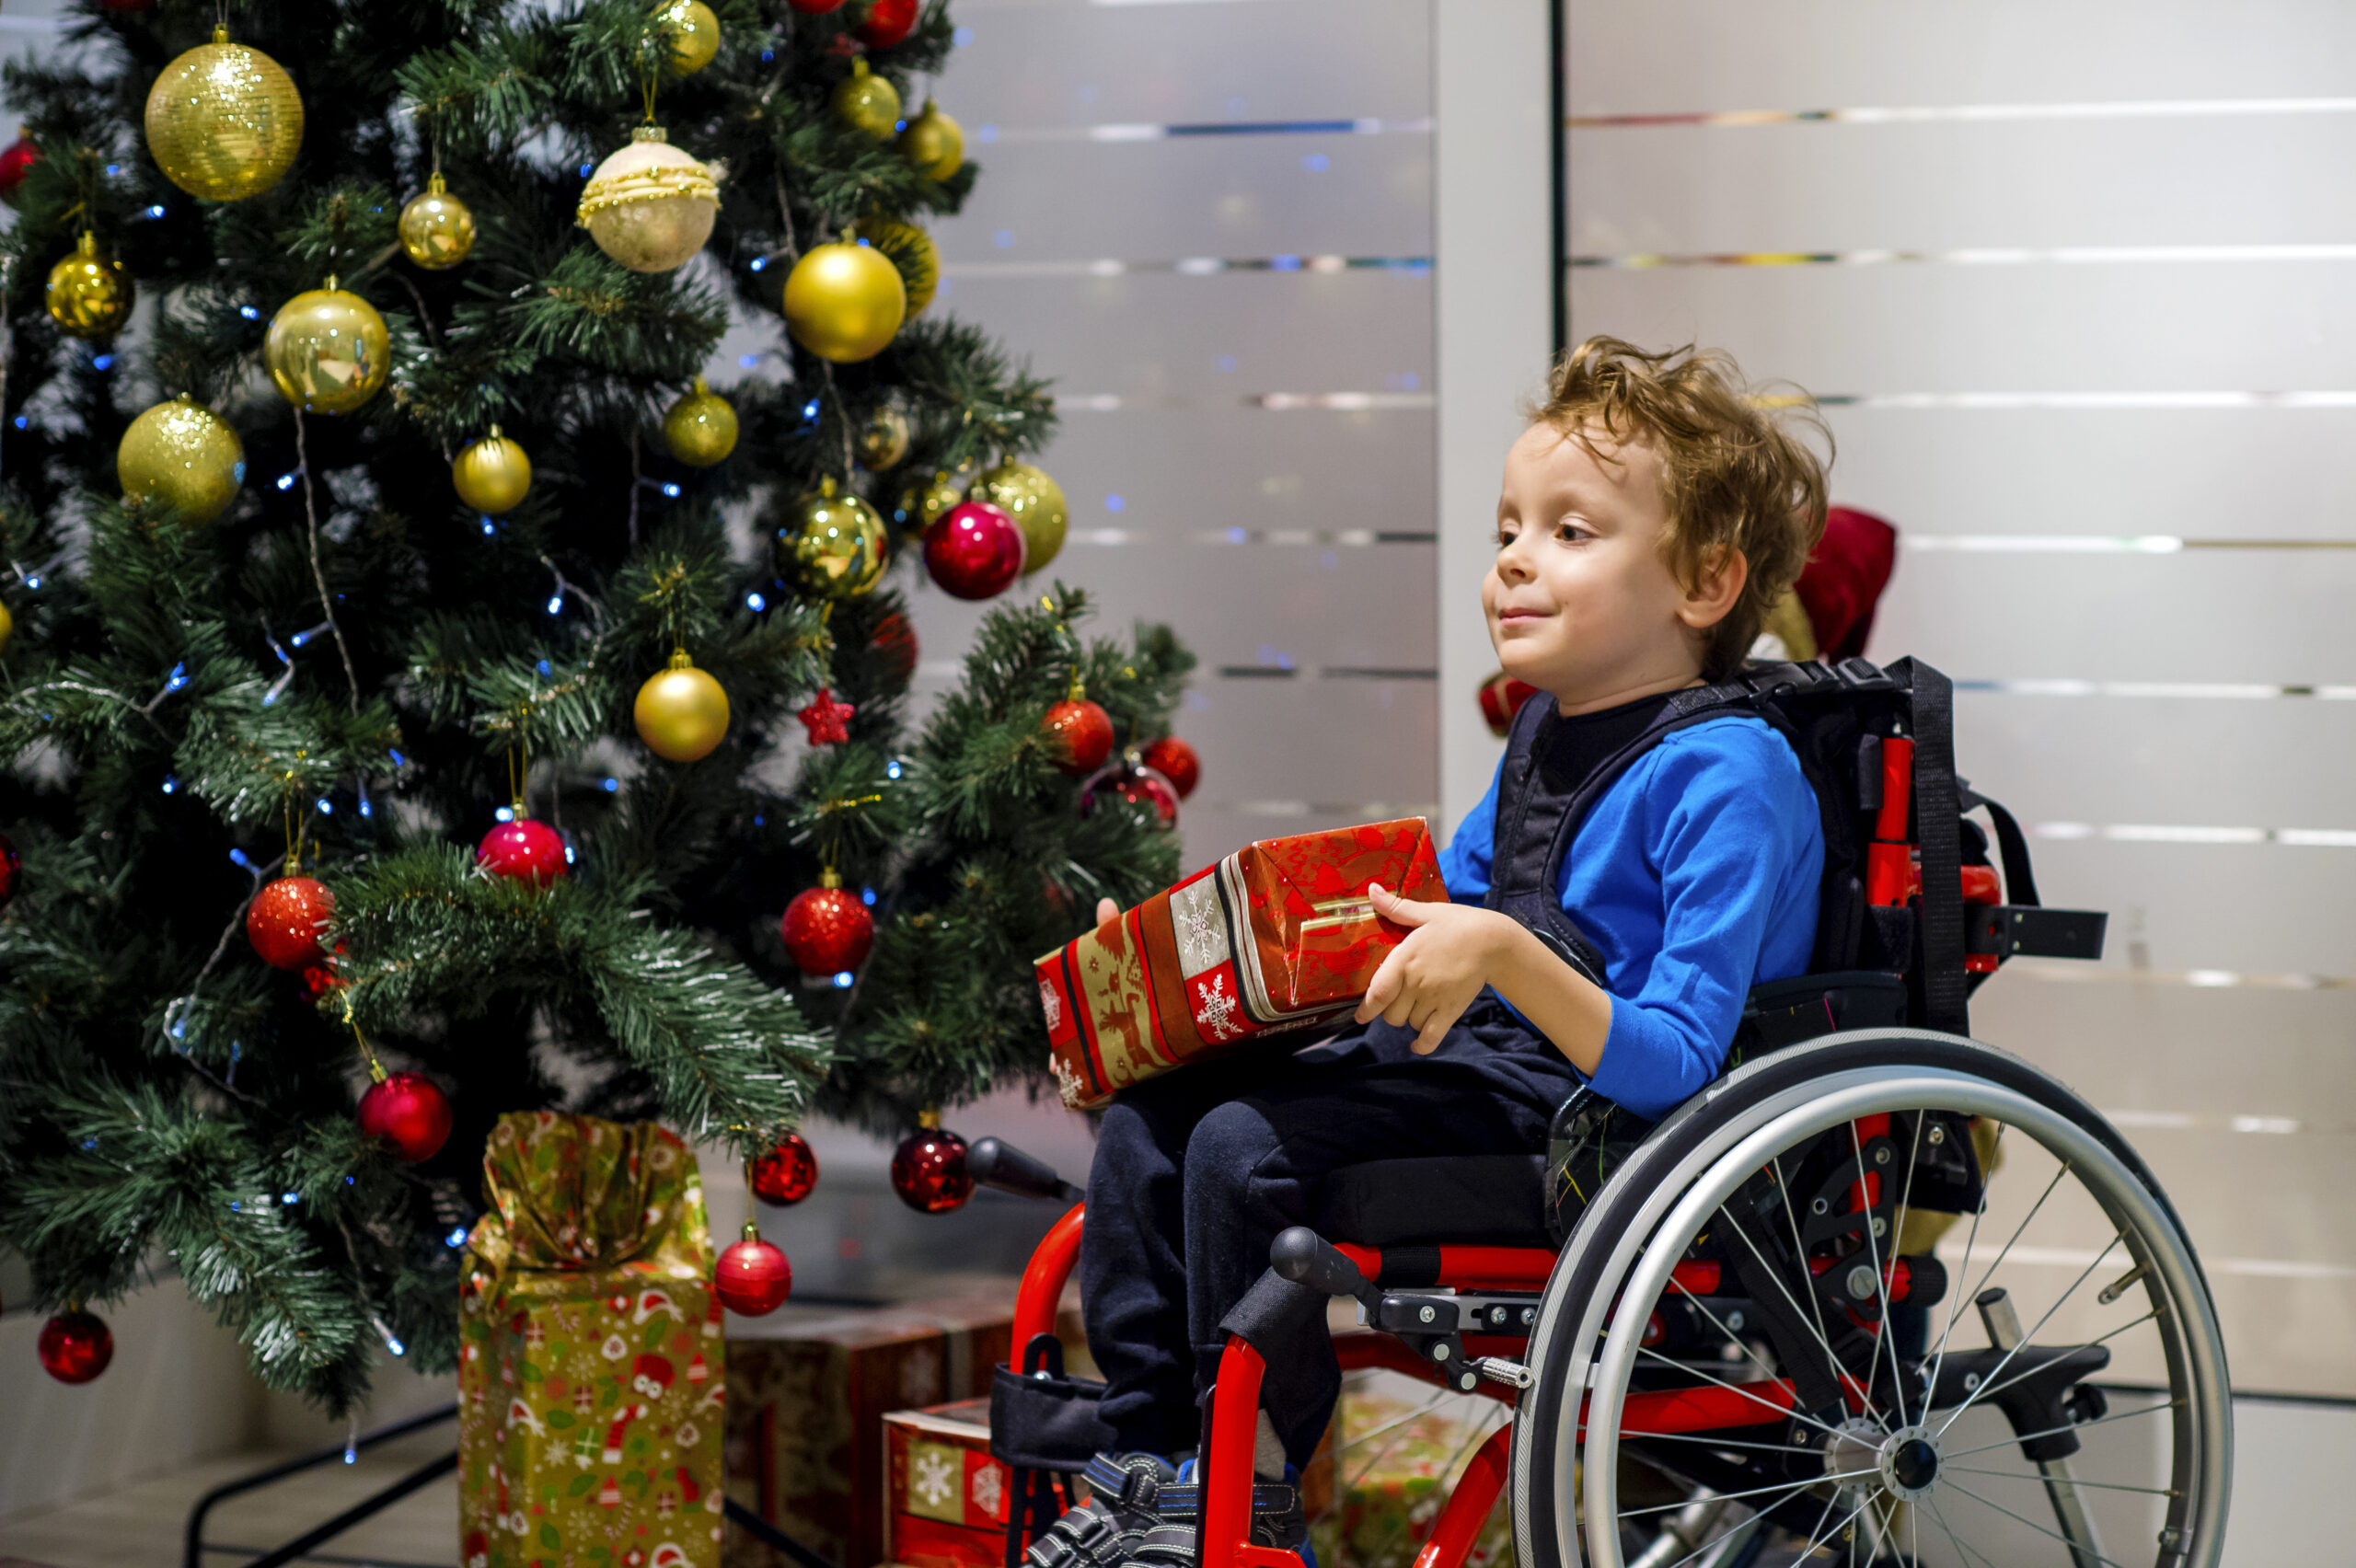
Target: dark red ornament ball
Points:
(815, 7)
(1134, 786)
(787, 1173)
(929, 1170)
(828, 930)
(895, 642)
(974, 550)
(1082, 733)
(286, 920)
(752, 1278)
(523, 850)
(17, 161)
(410, 1112)
(11, 867)
(76, 1347)
(1176, 761)
(887, 22)
(321, 978)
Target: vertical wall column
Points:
(1492, 217)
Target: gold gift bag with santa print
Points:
(590, 1374)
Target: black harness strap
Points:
(1939, 833)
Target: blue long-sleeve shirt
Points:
(1694, 876)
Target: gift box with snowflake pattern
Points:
(947, 1497)
(1263, 948)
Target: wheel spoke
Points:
(2030, 1338)
(1730, 1333)
(1986, 1391)
(2072, 1481)
(1799, 1257)
(1881, 1292)
(2073, 1546)
(1817, 1540)
(1939, 1357)
(1384, 1452)
(2066, 1426)
(1961, 1550)
(1708, 1441)
(1754, 1491)
(1794, 1413)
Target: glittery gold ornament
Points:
(883, 440)
(865, 101)
(909, 249)
(700, 428)
(831, 545)
(844, 302)
(926, 502)
(89, 292)
(934, 143)
(491, 474)
(1036, 504)
(223, 121)
(184, 456)
(696, 35)
(327, 351)
(649, 206)
(681, 713)
(437, 229)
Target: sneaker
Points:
(1277, 1520)
(1123, 1504)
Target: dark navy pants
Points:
(1196, 1171)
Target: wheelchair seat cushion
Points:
(1486, 1199)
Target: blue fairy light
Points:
(568, 854)
(843, 980)
(290, 1199)
(867, 895)
(810, 411)
(1287, 264)
(748, 361)
(238, 856)
(300, 638)
(961, 37)
(1116, 504)
(457, 1237)
(757, 264)
(394, 1346)
(170, 784)
(505, 813)
(543, 667)
(366, 809)
(102, 361)
(326, 807)
(556, 603)
(672, 491)
(584, 171)
(755, 603)
(23, 423)
(398, 760)
(286, 481)
(489, 527)
(1003, 238)
(1237, 535)
(612, 786)
(250, 313)
(114, 168)
(156, 211)
(892, 769)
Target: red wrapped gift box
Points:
(1277, 938)
(947, 1499)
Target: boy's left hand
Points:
(1431, 979)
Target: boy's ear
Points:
(1715, 587)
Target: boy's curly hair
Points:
(1734, 474)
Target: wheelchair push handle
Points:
(1306, 1258)
(994, 1162)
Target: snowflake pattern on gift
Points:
(1051, 1003)
(988, 1492)
(1200, 929)
(1215, 1014)
(1069, 1083)
(931, 1476)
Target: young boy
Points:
(1648, 516)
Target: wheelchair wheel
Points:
(1732, 1348)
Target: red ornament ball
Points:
(828, 930)
(10, 869)
(895, 642)
(752, 1278)
(1176, 761)
(887, 22)
(410, 1112)
(1133, 787)
(15, 162)
(523, 850)
(321, 978)
(787, 1173)
(974, 550)
(929, 1170)
(1082, 734)
(76, 1347)
(815, 7)
(286, 920)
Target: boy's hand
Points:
(1105, 910)
(1431, 979)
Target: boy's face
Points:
(1579, 600)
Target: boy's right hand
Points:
(1105, 910)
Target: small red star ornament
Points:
(828, 721)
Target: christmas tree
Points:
(399, 520)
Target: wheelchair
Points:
(1795, 1320)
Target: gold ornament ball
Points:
(1036, 504)
(911, 252)
(649, 206)
(865, 101)
(437, 229)
(832, 545)
(327, 351)
(8, 626)
(922, 505)
(695, 38)
(681, 713)
(91, 293)
(883, 440)
(844, 302)
(225, 121)
(493, 473)
(700, 428)
(184, 456)
(934, 143)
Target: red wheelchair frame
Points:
(1235, 1399)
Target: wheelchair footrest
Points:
(2013, 931)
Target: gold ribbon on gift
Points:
(574, 1195)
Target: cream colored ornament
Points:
(184, 456)
(437, 229)
(225, 121)
(865, 101)
(696, 36)
(649, 206)
(492, 475)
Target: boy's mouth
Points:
(1512, 616)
